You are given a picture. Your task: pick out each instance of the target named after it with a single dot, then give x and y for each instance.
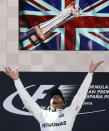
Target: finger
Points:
(5, 70)
(98, 64)
(16, 70)
(92, 62)
(9, 69)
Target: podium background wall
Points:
(39, 60)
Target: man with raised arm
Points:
(58, 117)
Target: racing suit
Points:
(55, 119)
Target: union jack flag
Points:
(90, 31)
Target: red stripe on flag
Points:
(79, 22)
(88, 22)
(40, 6)
(28, 47)
(68, 2)
(33, 20)
(70, 38)
(99, 36)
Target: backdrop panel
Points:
(92, 116)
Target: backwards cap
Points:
(57, 92)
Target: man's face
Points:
(57, 102)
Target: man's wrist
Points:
(16, 79)
(91, 73)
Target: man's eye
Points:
(54, 102)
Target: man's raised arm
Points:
(24, 95)
(82, 92)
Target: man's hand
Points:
(14, 74)
(93, 66)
